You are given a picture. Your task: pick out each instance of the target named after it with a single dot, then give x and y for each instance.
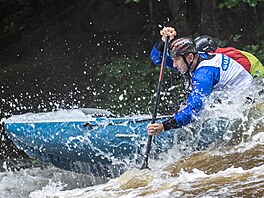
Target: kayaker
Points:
(210, 73)
(207, 44)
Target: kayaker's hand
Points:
(168, 31)
(155, 129)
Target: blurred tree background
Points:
(95, 53)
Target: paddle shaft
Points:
(154, 115)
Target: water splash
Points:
(201, 174)
(234, 167)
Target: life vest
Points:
(246, 59)
(257, 69)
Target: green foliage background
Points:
(233, 3)
(129, 87)
(255, 49)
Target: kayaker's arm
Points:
(202, 84)
(156, 56)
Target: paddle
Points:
(154, 115)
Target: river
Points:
(232, 168)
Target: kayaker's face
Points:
(179, 64)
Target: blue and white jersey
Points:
(232, 75)
(213, 73)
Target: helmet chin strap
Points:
(187, 64)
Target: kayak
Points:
(95, 141)
(86, 140)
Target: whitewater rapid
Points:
(223, 172)
(232, 168)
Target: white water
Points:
(235, 178)
(52, 182)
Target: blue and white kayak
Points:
(85, 140)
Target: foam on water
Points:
(21, 183)
(135, 183)
(238, 168)
(160, 183)
(157, 182)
